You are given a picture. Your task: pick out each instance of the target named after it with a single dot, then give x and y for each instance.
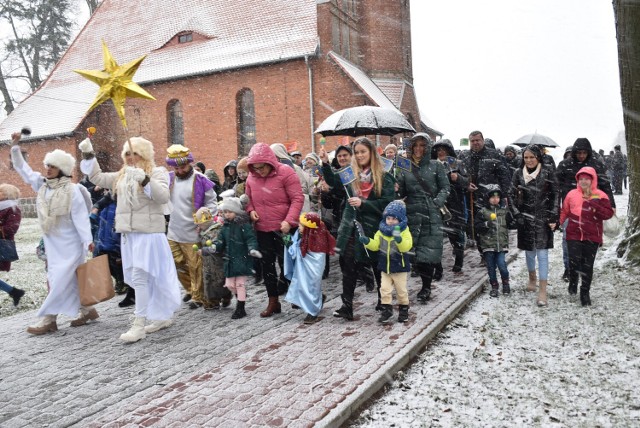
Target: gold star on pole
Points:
(115, 82)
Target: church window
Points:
(175, 122)
(246, 120)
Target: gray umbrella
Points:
(365, 120)
(537, 139)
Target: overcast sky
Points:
(510, 68)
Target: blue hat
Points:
(396, 209)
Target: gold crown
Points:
(306, 222)
(176, 151)
(204, 217)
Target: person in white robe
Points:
(63, 213)
(142, 193)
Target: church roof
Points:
(226, 35)
(393, 89)
(364, 82)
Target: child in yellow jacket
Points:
(392, 241)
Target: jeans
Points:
(543, 262)
(496, 259)
(5, 287)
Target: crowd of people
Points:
(276, 217)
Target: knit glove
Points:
(255, 253)
(136, 173)
(364, 240)
(85, 146)
(397, 234)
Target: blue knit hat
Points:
(396, 209)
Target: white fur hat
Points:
(142, 147)
(236, 205)
(61, 160)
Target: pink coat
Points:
(586, 216)
(276, 197)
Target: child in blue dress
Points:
(304, 264)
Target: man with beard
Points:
(190, 191)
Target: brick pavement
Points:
(207, 370)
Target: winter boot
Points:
(424, 294)
(345, 311)
(136, 332)
(403, 316)
(16, 294)
(495, 289)
(542, 293)
(457, 265)
(272, 308)
(86, 314)
(129, 299)
(239, 312)
(157, 325)
(565, 275)
(531, 286)
(437, 273)
(585, 299)
(506, 289)
(386, 314)
(121, 287)
(46, 325)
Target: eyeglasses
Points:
(261, 167)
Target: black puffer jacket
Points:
(537, 203)
(568, 168)
(483, 168)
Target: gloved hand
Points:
(136, 173)
(255, 253)
(85, 146)
(364, 240)
(397, 235)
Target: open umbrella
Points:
(365, 120)
(537, 139)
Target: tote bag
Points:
(94, 281)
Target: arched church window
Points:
(175, 123)
(246, 120)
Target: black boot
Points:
(565, 275)
(573, 287)
(495, 289)
(585, 299)
(403, 316)
(345, 311)
(457, 265)
(426, 274)
(424, 294)
(437, 273)
(16, 294)
(386, 314)
(129, 299)
(506, 289)
(239, 312)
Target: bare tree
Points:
(41, 30)
(627, 14)
(93, 4)
(6, 96)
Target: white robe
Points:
(66, 245)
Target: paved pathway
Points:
(207, 370)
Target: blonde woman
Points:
(142, 193)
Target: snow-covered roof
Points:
(393, 89)
(363, 81)
(227, 35)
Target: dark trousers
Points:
(350, 271)
(582, 255)
(272, 249)
(425, 270)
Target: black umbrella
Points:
(537, 139)
(365, 120)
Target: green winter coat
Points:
(494, 234)
(236, 239)
(423, 209)
(368, 214)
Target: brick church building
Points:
(225, 75)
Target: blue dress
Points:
(305, 274)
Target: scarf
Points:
(531, 176)
(366, 183)
(317, 240)
(58, 205)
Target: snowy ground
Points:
(506, 362)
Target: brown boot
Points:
(542, 293)
(45, 325)
(272, 308)
(85, 316)
(531, 286)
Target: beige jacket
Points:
(146, 215)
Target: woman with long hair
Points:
(368, 195)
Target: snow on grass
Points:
(506, 362)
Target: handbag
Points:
(94, 281)
(8, 251)
(612, 227)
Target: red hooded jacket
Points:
(586, 215)
(276, 197)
